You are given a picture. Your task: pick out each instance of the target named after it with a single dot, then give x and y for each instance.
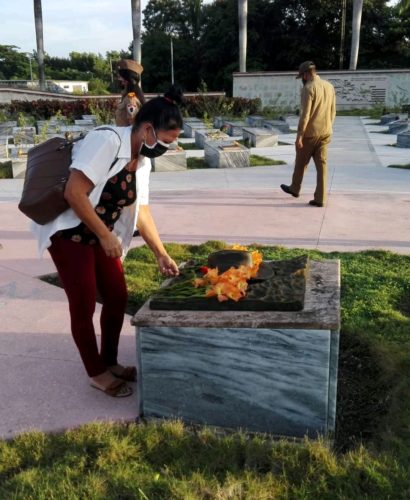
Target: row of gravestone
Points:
(234, 128)
(398, 123)
(221, 150)
(19, 140)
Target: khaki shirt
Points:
(318, 108)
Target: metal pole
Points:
(112, 77)
(342, 35)
(172, 63)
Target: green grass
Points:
(258, 161)
(193, 163)
(187, 145)
(375, 113)
(405, 166)
(6, 171)
(254, 161)
(168, 460)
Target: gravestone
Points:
(85, 124)
(234, 128)
(6, 128)
(255, 120)
(206, 135)
(392, 117)
(91, 118)
(173, 160)
(262, 371)
(226, 154)
(219, 121)
(24, 135)
(403, 139)
(19, 166)
(277, 125)
(398, 126)
(259, 137)
(190, 127)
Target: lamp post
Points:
(31, 68)
(172, 62)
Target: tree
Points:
(243, 20)
(136, 30)
(356, 24)
(38, 21)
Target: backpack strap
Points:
(118, 135)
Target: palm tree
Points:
(136, 30)
(403, 6)
(38, 21)
(356, 23)
(242, 17)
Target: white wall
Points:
(354, 89)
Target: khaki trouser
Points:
(315, 147)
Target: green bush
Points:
(44, 109)
(6, 171)
(203, 105)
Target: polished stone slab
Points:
(259, 137)
(272, 372)
(280, 125)
(173, 160)
(206, 135)
(234, 128)
(255, 120)
(262, 380)
(403, 139)
(190, 127)
(392, 117)
(19, 166)
(219, 154)
(398, 126)
(219, 121)
(24, 135)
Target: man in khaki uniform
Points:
(317, 114)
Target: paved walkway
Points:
(43, 384)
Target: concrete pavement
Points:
(43, 383)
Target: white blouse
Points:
(93, 156)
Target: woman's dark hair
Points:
(163, 112)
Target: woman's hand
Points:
(167, 266)
(111, 245)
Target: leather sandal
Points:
(127, 373)
(117, 389)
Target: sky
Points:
(70, 25)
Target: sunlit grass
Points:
(168, 460)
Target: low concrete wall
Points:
(8, 94)
(360, 89)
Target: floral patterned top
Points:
(118, 192)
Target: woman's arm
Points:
(148, 230)
(76, 193)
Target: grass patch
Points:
(406, 166)
(6, 170)
(259, 161)
(194, 163)
(169, 460)
(375, 113)
(254, 160)
(187, 145)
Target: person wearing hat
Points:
(317, 114)
(132, 97)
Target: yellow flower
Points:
(233, 283)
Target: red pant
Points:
(83, 269)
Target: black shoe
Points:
(315, 203)
(287, 190)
